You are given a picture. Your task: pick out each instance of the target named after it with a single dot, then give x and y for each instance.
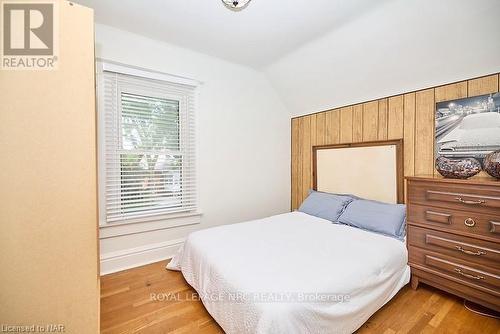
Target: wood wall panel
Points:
(313, 130)
(300, 164)
(382, 119)
(395, 118)
(333, 126)
(370, 121)
(306, 157)
(321, 129)
(482, 85)
(357, 123)
(346, 116)
(409, 116)
(295, 162)
(452, 91)
(409, 134)
(424, 132)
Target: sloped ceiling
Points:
(401, 46)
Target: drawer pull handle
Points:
(470, 222)
(459, 271)
(468, 252)
(479, 202)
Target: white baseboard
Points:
(139, 256)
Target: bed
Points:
(297, 272)
(259, 276)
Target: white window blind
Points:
(147, 157)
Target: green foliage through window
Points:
(150, 158)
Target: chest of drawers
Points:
(453, 236)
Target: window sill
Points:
(135, 226)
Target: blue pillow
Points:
(325, 205)
(384, 218)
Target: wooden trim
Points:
(399, 160)
(476, 180)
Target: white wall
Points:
(244, 146)
(401, 46)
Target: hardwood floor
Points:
(140, 300)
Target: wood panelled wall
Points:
(408, 116)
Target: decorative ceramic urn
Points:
(457, 168)
(492, 164)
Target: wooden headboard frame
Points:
(398, 143)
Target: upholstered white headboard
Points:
(372, 170)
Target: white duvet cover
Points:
(292, 273)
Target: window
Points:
(147, 147)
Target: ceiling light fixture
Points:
(236, 5)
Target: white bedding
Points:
(260, 276)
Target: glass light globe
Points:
(236, 5)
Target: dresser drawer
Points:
(467, 249)
(474, 275)
(468, 223)
(479, 199)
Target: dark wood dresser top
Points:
(477, 180)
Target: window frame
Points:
(107, 66)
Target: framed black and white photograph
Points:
(468, 127)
